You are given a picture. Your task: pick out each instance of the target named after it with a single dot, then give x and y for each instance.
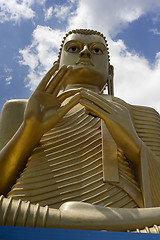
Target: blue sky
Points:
(31, 32)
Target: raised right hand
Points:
(44, 108)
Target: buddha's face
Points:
(87, 54)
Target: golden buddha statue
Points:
(79, 158)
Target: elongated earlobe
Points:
(110, 80)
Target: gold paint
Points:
(62, 167)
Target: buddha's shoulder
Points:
(12, 113)
(13, 107)
(10, 119)
(134, 108)
(15, 103)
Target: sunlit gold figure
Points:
(79, 158)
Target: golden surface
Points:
(68, 167)
(79, 158)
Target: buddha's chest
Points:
(67, 166)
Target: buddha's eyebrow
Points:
(81, 43)
(98, 43)
(73, 41)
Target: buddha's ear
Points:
(110, 80)
(111, 70)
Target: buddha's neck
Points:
(87, 86)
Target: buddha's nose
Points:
(85, 52)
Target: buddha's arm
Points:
(79, 215)
(42, 112)
(76, 215)
(14, 154)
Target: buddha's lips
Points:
(84, 62)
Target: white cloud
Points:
(136, 81)
(40, 2)
(155, 31)
(110, 17)
(7, 75)
(40, 55)
(62, 11)
(8, 80)
(72, 1)
(16, 10)
(7, 69)
(48, 13)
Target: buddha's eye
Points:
(73, 49)
(97, 51)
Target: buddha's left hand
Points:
(118, 121)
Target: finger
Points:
(95, 110)
(47, 77)
(100, 97)
(114, 105)
(63, 110)
(62, 80)
(55, 80)
(64, 95)
(69, 93)
(100, 102)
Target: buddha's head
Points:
(87, 52)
